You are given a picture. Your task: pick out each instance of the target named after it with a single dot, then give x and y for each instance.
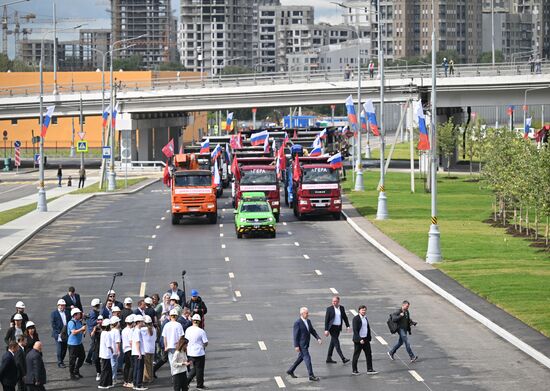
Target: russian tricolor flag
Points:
(363, 120)
(527, 128)
(216, 152)
(424, 141)
(205, 146)
(259, 138)
(46, 120)
(352, 116)
(316, 151)
(323, 134)
(335, 161)
(105, 115)
(113, 116)
(266, 145)
(371, 116)
(229, 121)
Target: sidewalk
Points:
(498, 316)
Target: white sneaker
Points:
(140, 388)
(97, 376)
(103, 388)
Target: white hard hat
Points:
(115, 309)
(196, 317)
(174, 312)
(148, 300)
(175, 297)
(111, 292)
(30, 323)
(17, 317)
(19, 304)
(75, 311)
(130, 318)
(106, 322)
(138, 318)
(148, 319)
(100, 317)
(115, 319)
(128, 300)
(61, 302)
(95, 302)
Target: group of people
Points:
(81, 177)
(335, 319)
(126, 341)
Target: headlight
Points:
(337, 202)
(275, 203)
(303, 202)
(243, 220)
(270, 219)
(176, 207)
(210, 206)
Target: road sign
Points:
(36, 158)
(81, 135)
(82, 146)
(17, 144)
(106, 152)
(5, 135)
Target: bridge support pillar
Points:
(145, 144)
(160, 137)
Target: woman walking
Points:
(179, 366)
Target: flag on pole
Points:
(316, 151)
(227, 154)
(424, 141)
(235, 141)
(259, 138)
(323, 134)
(371, 116)
(335, 161)
(205, 146)
(295, 135)
(266, 145)
(235, 169)
(229, 121)
(527, 128)
(296, 171)
(105, 115)
(216, 174)
(46, 120)
(166, 175)
(168, 149)
(363, 120)
(216, 152)
(113, 116)
(352, 116)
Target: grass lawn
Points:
(119, 185)
(497, 266)
(401, 151)
(12, 214)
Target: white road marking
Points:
(248, 317)
(416, 375)
(297, 244)
(226, 259)
(334, 291)
(238, 293)
(306, 256)
(262, 345)
(157, 227)
(223, 245)
(353, 312)
(142, 289)
(223, 210)
(221, 225)
(167, 210)
(153, 236)
(163, 218)
(284, 222)
(221, 235)
(150, 248)
(147, 260)
(381, 340)
(280, 382)
(289, 232)
(231, 275)
(318, 272)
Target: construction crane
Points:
(5, 24)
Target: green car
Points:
(254, 215)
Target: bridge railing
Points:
(278, 78)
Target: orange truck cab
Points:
(193, 191)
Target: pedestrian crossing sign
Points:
(82, 146)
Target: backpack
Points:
(63, 333)
(392, 325)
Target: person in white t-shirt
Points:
(116, 341)
(195, 350)
(138, 353)
(127, 372)
(171, 333)
(105, 354)
(149, 334)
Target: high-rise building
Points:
(149, 19)
(92, 43)
(546, 29)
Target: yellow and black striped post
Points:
(434, 220)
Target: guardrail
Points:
(142, 164)
(255, 79)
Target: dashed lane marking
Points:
(416, 375)
(306, 256)
(289, 232)
(147, 260)
(163, 218)
(223, 210)
(297, 244)
(262, 345)
(248, 317)
(153, 236)
(221, 235)
(284, 222)
(226, 259)
(238, 293)
(223, 245)
(318, 272)
(221, 225)
(150, 248)
(157, 227)
(280, 382)
(142, 289)
(381, 340)
(231, 275)
(167, 210)
(333, 290)
(353, 312)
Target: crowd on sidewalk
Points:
(126, 342)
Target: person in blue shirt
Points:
(75, 333)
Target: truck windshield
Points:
(193, 180)
(319, 175)
(258, 177)
(255, 208)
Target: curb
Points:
(518, 343)
(53, 218)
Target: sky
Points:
(94, 14)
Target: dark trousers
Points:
(334, 342)
(403, 339)
(61, 350)
(32, 387)
(163, 359)
(76, 358)
(138, 364)
(106, 378)
(357, 349)
(8, 388)
(97, 362)
(81, 181)
(305, 357)
(180, 382)
(90, 357)
(128, 371)
(197, 370)
(21, 385)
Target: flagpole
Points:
(434, 246)
(359, 186)
(382, 210)
(41, 204)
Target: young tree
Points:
(447, 134)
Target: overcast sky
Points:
(94, 13)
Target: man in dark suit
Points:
(174, 289)
(334, 318)
(361, 340)
(19, 357)
(301, 332)
(8, 368)
(36, 372)
(59, 318)
(72, 299)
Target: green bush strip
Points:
(120, 184)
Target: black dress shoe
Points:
(330, 361)
(345, 360)
(291, 374)
(314, 378)
(74, 377)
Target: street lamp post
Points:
(434, 245)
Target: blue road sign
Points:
(17, 144)
(106, 152)
(36, 158)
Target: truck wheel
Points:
(277, 216)
(239, 235)
(175, 219)
(212, 218)
(274, 235)
(336, 215)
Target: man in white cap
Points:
(59, 318)
(91, 322)
(105, 354)
(138, 353)
(116, 342)
(175, 304)
(127, 310)
(20, 309)
(150, 310)
(171, 334)
(127, 372)
(15, 331)
(149, 334)
(75, 332)
(195, 350)
(112, 295)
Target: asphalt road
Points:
(13, 190)
(253, 289)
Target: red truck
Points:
(258, 174)
(316, 189)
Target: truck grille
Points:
(196, 199)
(256, 220)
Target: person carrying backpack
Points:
(403, 320)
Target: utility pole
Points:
(382, 209)
(359, 186)
(72, 153)
(493, 30)
(55, 92)
(81, 132)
